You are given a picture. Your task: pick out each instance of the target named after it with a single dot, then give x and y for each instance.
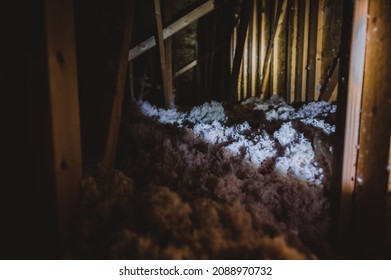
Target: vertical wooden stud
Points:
(264, 38)
(246, 72)
(319, 50)
(168, 47)
(292, 49)
(254, 48)
(350, 130)
(312, 49)
(64, 108)
(166, 80)
(375, 125)
(305, 66)
(240, 46)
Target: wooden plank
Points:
(275, 53)
(305, 65)
(319, 50)
(312, 49)
(64, 108)
(264, 39)
(173, 28)
(166, 80)
(169, 54)
(375, 126)
(389, 170)
(246, 69)
(168, 47)
(112, 138)
(275, 32)
(254, 49)
(240, 45)
(282, 58)
(292, 49)
(274, 62)
(352, 117)
(388, 211)
(300, 50)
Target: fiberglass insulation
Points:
(205, 184)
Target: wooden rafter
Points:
(112, 138)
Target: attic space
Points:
(201, 129)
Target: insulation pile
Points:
(207, 183)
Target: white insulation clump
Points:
(298, 158)
(294, 157)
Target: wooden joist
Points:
(166, 79)
(173, 28)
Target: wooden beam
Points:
(352, 116)
(372, 175)
(312, 49)
(64, 110)
(281, 53)
(240, 45)
(292, 49)
(254, 48)
(263, 44)
(282, 4)
(173, 28)
(305, 65)
(388, 211)
(166, 80)
(168, 47)
(245, 63)
(319, 50)
(112, 138)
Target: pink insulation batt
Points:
(207, 183)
